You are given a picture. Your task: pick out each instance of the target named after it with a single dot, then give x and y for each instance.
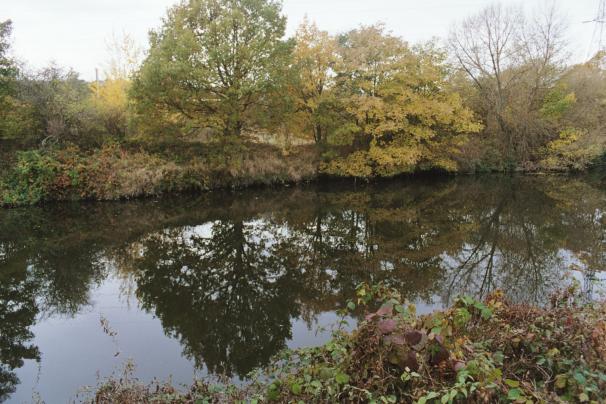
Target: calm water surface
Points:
(218, 283)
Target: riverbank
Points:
(120, 172)
(115, 173)
(490, 351)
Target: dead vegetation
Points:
(473, 352)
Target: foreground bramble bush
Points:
(115, 172)
(474, 352)
(29, 180)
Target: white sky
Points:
(74, 33)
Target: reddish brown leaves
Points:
(413, 337)
(387, 326)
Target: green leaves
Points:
(29, 182)
(557, 102)
(462, 317)
(580, 378)
(430, 396)
(342, 378)
(273, 391)
(449, 397)
(512, 383)
(409, 375)
(295, 388)
(486, 366)
(212, 61)
(514, 394)
(485, 311)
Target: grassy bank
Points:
(131, 170)
(490, 351)
(122, 172)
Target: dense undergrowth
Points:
(116, 172)
(132, 170)
(476, 352)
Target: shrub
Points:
(114, 172)
(29, 181)
(490, 351)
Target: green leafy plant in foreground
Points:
(475, 351)
(29, 180)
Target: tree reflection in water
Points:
(17, 313)
(221, 296)
(226, 273)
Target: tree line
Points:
(497, 94)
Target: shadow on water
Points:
(226, 273)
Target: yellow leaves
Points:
(561, 381)
(367, 109)
(110, 100)
(573, 149)
(314, 51)
(393, 160)
(111, 94)
(377, 161)
(444, 163)
(313, 57)
(566, 138)
(393, 99)
(354, 165)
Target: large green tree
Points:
(7, 66)
(213, 62)
(8, 74)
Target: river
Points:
(215, 284)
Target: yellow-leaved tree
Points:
(401, 114)
(314, 59)
(575, 108)
(110, 97)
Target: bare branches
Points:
(500, 44)
(512, 60)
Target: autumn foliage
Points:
(497, 95)
(473, 352)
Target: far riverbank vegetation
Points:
(222, 97)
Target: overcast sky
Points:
(74, 33)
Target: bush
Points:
(490, 351)
(474, 352)
(29, 181)
(114, 172)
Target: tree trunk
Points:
(318, 133)
(234, 125)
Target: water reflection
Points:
(223, 295)
(226, 274)
(17, 312)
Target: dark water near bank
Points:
(218, 283)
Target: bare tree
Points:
(125, 56)
(544, 46)
(511, 60)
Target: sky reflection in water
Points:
(219, 283)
